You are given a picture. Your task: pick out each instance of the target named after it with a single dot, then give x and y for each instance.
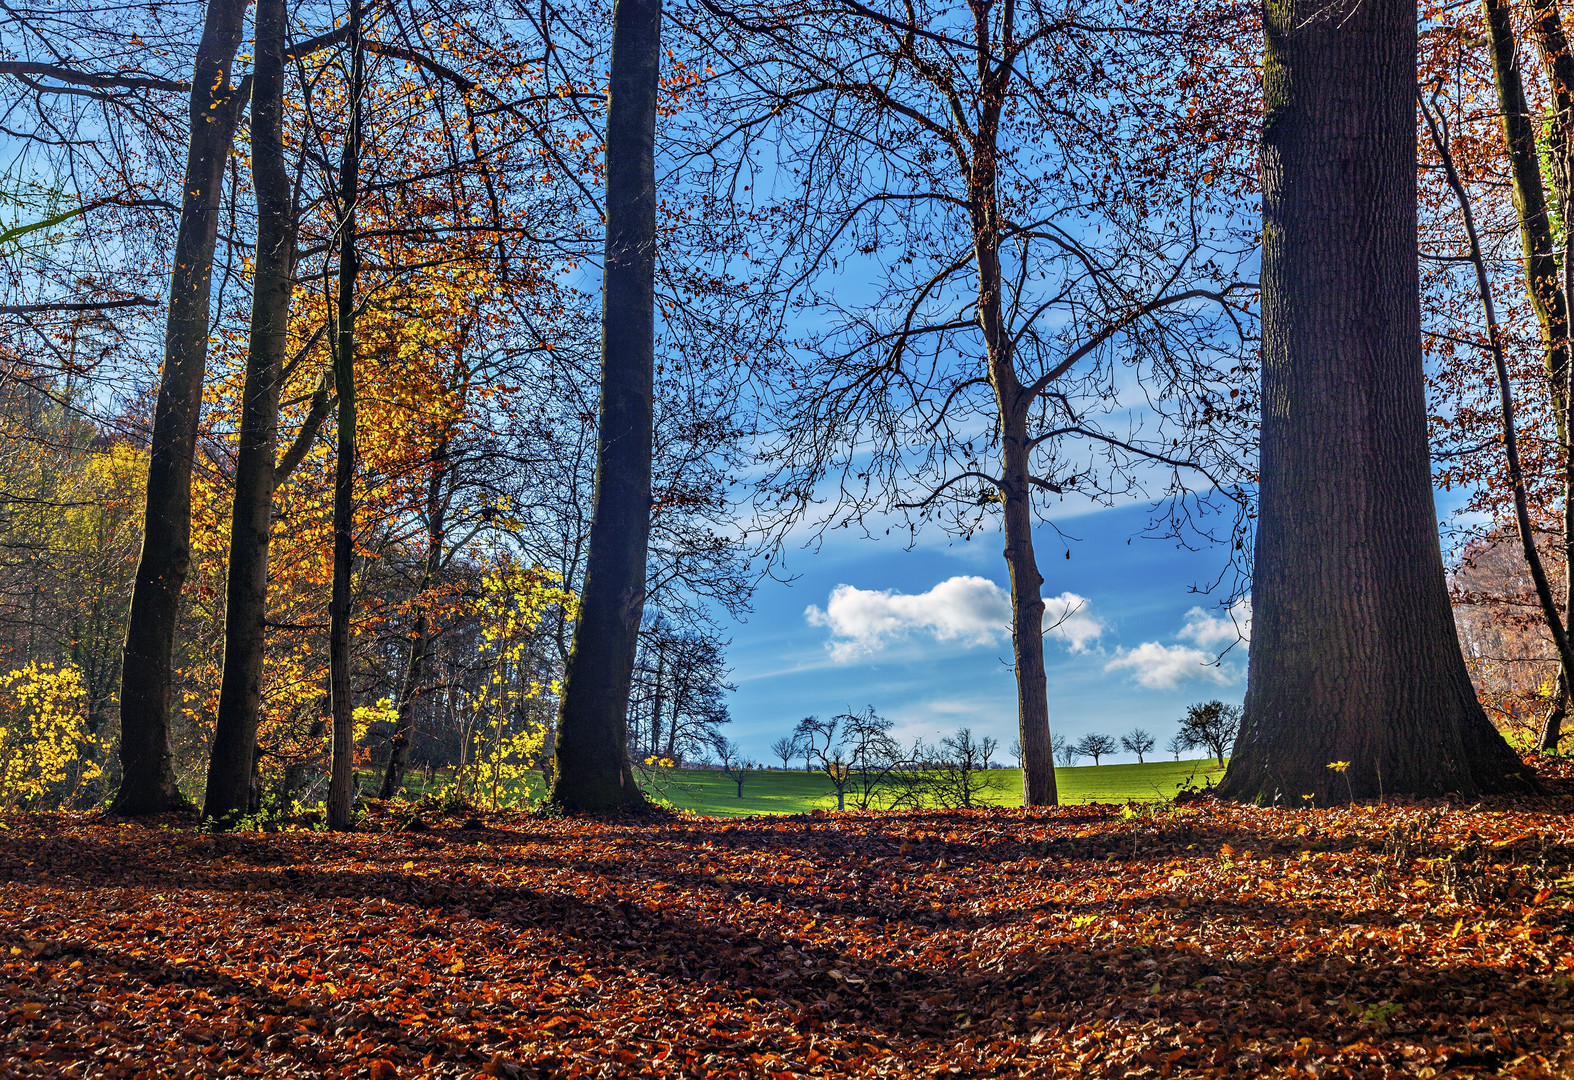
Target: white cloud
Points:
(1069, 618)
(966, 609)
(1163, 667)
(1216, 632)
(971, 610)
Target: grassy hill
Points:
(777, 792)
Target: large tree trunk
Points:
(591, 763)
(230, 767)
(147, 784)
(420, 640)
(341, 777)
(1354, 654)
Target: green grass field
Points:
(777, 792)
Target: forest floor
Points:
(1098, 941)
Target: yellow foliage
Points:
(43, 734)
(503, 746)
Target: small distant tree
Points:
(1015, 750)
(1176, 745)
(958, 774)
(1065, 751)
(1137, 741)
(731, 762)
(856, 752)
(1212, 725)
(785, 748)
(1095, 746)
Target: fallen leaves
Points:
(1080, 942)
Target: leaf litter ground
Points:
(1084, 941)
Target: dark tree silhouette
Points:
(591, 768)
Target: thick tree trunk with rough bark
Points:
(591, 769)
(1354, 654)
(420, 640)
(231, 765)
(147, 783)
(341, 777)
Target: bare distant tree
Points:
(958, 774)
(1067, 753)
(1015, 749)
(1095, 746)
(733, 764)
(1137, 741)
(785, 748)
(1176, 745)
(856, 752)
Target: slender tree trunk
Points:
(341, 777)
(1354, 653)
(147, 783)
(1516, 474)
(420, 641)
(591, 763)
(1545, 282)
(1016, 499)
(231, 766)
(658, 704)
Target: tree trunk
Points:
(1544, 280)
(231, 766)
(341, 774)
(1354, 654)
(420, 641)
(1016, 499)
(147, 784)
(591, 762)
(1557, 712)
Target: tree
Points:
(1137, 741)
(230, 768)
(785, 748)
(734, 765)
(1354, 653)
(1211, 726)
(591, 768)
(958, 776)
(1095, 746)
(978, 379)
(1176, 744)
(147, 784)
(1015, 749)
(1067, 753)
(856, 753)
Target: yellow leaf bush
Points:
(45, 747)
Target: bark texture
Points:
(147, 783)
(341, 779)
(231, 766)
(591, 769)
(1354, 654)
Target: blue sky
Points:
(932, 659)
